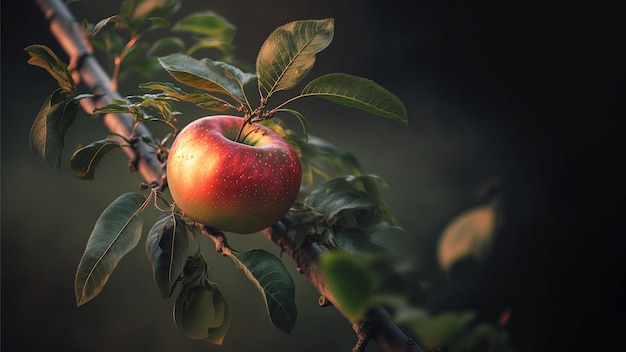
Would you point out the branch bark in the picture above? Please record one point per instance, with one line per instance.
(377, 324)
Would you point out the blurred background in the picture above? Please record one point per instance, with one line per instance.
(519, 91)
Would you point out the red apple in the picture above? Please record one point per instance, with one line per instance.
(239, 187)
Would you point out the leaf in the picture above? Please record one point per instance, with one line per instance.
(85, 160)
(349, 281)
(338, 195)
(117, 106)
(194, 311)
(201, 312)
(207, 23)
(357, 92)
(202, 74)
(442, 329)
(224, 48)
(116, 232)
(288, 54)
(335, 203)
(47, 133)
(270, 276)
(167, 247)
(233, 72)
(202, 100)
(44, 57)
(469, 234)
(101, 24)
(176, 44)
(217, 334)
(159, 22)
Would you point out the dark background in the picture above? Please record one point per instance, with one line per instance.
(526, 92)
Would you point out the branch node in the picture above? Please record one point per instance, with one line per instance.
(221, 243)
(324, 302)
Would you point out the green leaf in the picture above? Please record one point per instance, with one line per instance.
(349, 281)
(202, 100)
(338, 195)
(235, 73)
(85, 160)
(223, 47)
(101, 24)
(168, 246)
(44, 57)
(439, 330)
(116, 232)
(117, 106)
(202, 74)
(207, 23)
(222, 313)
(47, 133)
(357, 92)
(176, 44)
(335, 203)
(201, 312)
(272, 279)
(357, 242)
(159, 22)
(288, 54)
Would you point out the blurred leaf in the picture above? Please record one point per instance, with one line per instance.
(357, 92)
(85, 160)
(288, 54)
(225, 48)
(441, 330)
(168, 246)
(102, 24)
(161, 44)
(349, 281)
(44, 57)
(357, 242)
(202, 74)
(146, 67)
(159, 22)
(116, 232)
(207, 23)
(469, 234)
(272, 279)
(144, 8)
(47, 133)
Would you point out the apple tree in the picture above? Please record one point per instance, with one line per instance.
(242, 170)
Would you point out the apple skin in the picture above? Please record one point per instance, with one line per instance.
(232, 186)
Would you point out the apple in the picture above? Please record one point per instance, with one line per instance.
(240, 187)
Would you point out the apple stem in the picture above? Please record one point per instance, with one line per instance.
(255, 116)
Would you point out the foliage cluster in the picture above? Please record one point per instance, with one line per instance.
(340, 205)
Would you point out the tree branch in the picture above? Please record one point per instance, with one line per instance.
(86, 70)
(376, 324)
